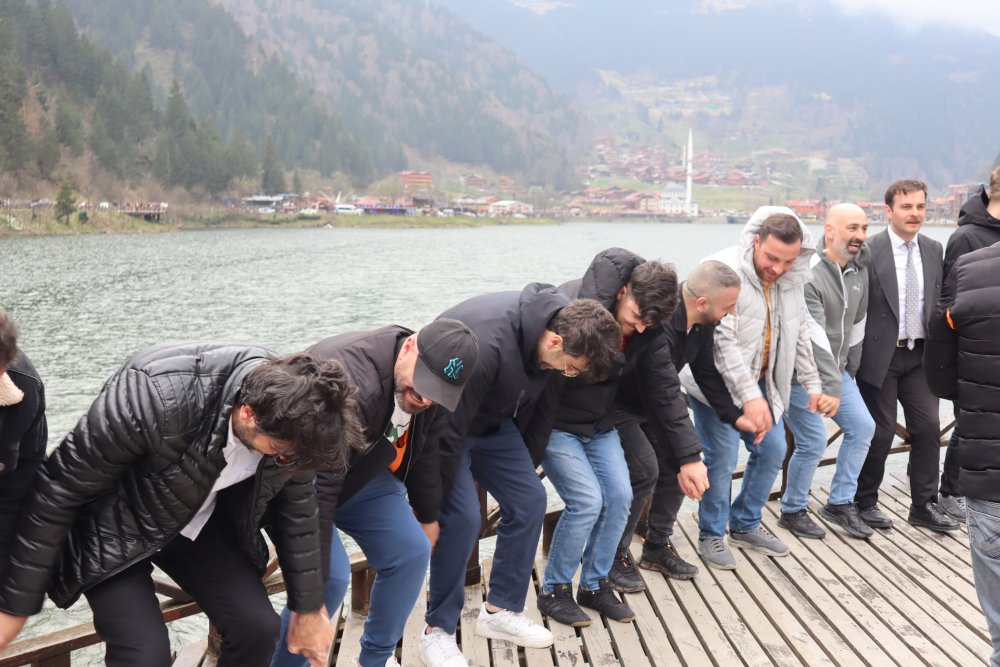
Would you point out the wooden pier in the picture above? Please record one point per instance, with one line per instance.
(904, 597)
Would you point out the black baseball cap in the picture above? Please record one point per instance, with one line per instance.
(447, 352)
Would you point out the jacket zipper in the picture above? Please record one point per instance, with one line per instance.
(517, 405)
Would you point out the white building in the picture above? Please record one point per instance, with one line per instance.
(509, 207)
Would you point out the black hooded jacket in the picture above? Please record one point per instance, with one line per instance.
(23, 435)
(976, 229)
(962, 361)
(136, 469)
(507, 382)
(370, 358)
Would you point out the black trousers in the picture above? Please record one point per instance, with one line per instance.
(216, 573)
(949, 475)
(650, 477)
(905, 382)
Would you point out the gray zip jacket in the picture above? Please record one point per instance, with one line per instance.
(739, 349)
(838, 308)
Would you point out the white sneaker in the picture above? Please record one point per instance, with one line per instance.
(439, 649)
(514, 627)
(392, 662)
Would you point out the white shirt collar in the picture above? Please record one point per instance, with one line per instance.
(897, 242)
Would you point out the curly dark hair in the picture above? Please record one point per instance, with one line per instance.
(653, 285)
(8, 339)
(589, 330)
(309, 402)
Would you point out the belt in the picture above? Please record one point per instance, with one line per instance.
(909, 343)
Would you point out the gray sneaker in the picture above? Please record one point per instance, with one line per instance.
(716, 553)
(954, 506)
(760, 540)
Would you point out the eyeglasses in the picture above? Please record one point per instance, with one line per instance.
(569, 370)
(284, 457)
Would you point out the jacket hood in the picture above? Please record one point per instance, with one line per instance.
(609, 271)
(800, 273)
(973, 212)
(537, 305)
(862, 261)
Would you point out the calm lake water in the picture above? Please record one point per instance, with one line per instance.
(86, 303)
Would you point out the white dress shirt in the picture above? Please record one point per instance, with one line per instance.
(241, 464)
(899, 255)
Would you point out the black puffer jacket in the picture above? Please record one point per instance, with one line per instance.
(370, 357)
(976, 229)
(962, 361)
(136, 469)
(23, 434)
(507, 382)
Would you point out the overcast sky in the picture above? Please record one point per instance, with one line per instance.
(915, 14)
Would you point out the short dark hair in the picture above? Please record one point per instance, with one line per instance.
(310, 402)
(8, 339)
(994, 188)
(589, 330)
(784, 226)
(904, 187)
(653, 285)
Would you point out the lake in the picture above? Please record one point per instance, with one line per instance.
(86, 303)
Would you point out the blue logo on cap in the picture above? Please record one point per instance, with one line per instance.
(454, 367)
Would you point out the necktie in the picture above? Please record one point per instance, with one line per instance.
(912, 311)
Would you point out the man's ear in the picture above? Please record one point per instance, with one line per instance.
(553, 341)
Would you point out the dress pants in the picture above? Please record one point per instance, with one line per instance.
(216, 573)
(905, 382)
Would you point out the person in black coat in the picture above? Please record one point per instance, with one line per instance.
(524, 339)
(962, 361)
(405, 382)
(978, 227)
(189, 449)
(23, 430)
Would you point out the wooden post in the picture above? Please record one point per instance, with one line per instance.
(361, 590)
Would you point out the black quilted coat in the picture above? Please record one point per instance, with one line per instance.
(136, 469)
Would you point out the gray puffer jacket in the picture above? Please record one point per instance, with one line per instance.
(739, 338)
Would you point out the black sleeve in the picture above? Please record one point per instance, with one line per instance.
(328, 487)
(422, 475)
(958, 245)
(537, 427)
(941, 345)
(16, 482)
(711, 383)
(664, 404)
(295, 528)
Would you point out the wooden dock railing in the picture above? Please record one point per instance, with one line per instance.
(53, 649)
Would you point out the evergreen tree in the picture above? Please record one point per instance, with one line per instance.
(296, 182)
(47, 153)
(65, 202)
(68, 130)
(272, 177)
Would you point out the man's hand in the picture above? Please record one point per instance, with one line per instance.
(693, 479)
(744, 423)
(813, 403)
(311, 635)
(759, 413)
(828, 405)
(10, 625)
(432, 530)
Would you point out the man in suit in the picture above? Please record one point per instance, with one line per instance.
(904, 285)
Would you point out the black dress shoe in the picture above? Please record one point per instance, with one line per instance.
(930, 515)
(873, 517)
(801, 524)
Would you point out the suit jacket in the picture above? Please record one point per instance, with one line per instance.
(882, 327)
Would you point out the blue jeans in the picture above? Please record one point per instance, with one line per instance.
(810, 442)
(984, 540)
(501, 463)
(591, 476)
(382, 523)
(720, 446)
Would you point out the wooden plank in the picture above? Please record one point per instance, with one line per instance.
(954, 544)
(724, 641)
(536, 657)
(652, 635)
(475, 648)
(669, 622)
(504, 653)
(567, 647)
(936, 621)
(413, 629)
(191, 655)
(597, 642)
(350, 641)
(836, 604)
(897, 486)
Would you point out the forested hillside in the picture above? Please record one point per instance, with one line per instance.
(67, 107)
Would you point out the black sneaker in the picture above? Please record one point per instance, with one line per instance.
(847, 517)
(560, 606)
(663, 558)
(623, 576)
(604, 601)
(801, 524)
(873, 516)
(930, 515)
